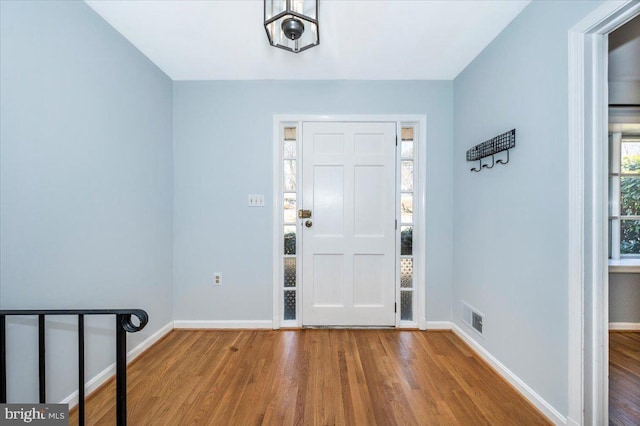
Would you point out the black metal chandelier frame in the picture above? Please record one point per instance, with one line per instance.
(296, 15)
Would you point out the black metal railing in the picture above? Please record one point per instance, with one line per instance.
(124, 324)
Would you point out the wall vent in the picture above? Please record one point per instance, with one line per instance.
(472, 317)
(476, 322)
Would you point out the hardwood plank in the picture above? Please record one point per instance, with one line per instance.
(624, 378)
(313, 377)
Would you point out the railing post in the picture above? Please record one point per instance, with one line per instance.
(80, 370)
(121, 371)
(41, 360)
(3, 361)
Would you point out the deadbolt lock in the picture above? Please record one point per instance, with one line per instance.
(304, 214)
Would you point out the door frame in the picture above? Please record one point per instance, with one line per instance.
(588, 286)
(419, 243)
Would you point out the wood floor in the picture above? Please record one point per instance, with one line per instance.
(313, 377)
(624, 378)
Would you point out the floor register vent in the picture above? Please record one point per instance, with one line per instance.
(472, 317)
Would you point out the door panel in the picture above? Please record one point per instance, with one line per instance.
(369, 206)
(348, 253)
(327, 276)
(328, 196)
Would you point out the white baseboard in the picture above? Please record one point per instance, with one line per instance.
(624, 326)
(224, 324)
(542, 405)
(439, 325)
(102, 377)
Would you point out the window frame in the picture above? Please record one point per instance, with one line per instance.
(619, 262)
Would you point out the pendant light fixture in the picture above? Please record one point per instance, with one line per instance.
(292, 24)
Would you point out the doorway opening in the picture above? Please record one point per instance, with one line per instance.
(348, 221)
(588, 169)
(624, 221)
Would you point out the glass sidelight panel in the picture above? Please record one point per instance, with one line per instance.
(406, 305)
(290, 305)
(406, 273)
(289, 240)
(406, 175)
(407, 215)
(289, 218)
(289, 207)
(407, 149)
(406, 208)
(289, 271)
(290, 149)
(290, 175)
(406, 240)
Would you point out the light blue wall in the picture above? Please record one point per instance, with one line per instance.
(223, 152)
(624, 298)
(510, 222)
(86, 185)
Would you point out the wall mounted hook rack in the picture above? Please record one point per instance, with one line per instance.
(503, 142)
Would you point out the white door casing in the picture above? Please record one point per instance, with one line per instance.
(588, 213)
(348, 253)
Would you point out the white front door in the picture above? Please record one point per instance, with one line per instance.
(348, 249)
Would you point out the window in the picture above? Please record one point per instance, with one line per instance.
(407, 196)
(289, 206)
(624, 197)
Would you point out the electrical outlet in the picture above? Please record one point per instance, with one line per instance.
(217, 278)
(256, 200)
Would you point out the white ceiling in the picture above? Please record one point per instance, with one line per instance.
(359, 39)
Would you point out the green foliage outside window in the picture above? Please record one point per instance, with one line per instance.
(630, 205)
(290, 243)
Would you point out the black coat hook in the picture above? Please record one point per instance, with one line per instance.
(502, 161)
(479, 166)
(493, 163)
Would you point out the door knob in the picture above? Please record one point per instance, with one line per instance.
(308, 224)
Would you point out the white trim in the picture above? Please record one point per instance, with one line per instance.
(624, 326)
(587, 121)
(420, 223)
(101, 378)
(288, 118)
(597, 146)
(438, 325)
(607, 17)
(420, 194)
(624, 266)
(547, 409)
(223, 324)
(277, 212)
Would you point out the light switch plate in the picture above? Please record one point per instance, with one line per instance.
(256, 200)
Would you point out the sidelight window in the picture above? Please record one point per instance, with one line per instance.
(406, 222)
(289, 207)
